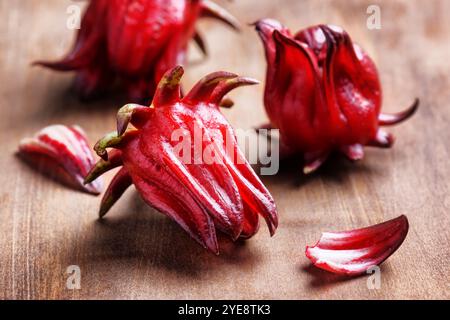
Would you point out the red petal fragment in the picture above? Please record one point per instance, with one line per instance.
(62, 152)
(354, 252)
(116, 188)
(387, 119)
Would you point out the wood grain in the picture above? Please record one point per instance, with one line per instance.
(138, 253)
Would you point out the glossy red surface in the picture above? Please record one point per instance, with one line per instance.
(134, 42)
(354, 252)
(199, 193)
(63, 153)
(323, 93)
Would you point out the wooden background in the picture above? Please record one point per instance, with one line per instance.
(138, 253)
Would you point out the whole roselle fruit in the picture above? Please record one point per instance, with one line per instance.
(134, 42)
(215, 188)
(323, 93)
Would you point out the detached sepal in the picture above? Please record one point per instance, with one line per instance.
(63, 153)
(354, 252)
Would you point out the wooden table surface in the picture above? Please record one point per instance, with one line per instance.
(138, 253)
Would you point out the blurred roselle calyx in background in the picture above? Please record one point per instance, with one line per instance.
(323, 93)
(201, 196)
(134, 42)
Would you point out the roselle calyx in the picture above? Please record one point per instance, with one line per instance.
(200, 196)
(354, 252)
(323, 93)
(63, 153)
(134, 43)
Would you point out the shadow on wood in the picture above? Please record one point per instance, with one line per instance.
(145, 234)
(336, 169)
(60, 98)
(324, 279)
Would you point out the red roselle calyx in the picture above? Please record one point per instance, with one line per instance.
(135, 42)
(198, 195)
(63, 153)
(354, 252)
(323, 93)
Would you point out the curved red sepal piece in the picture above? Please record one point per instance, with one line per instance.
(354, 252)
(63, 153)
